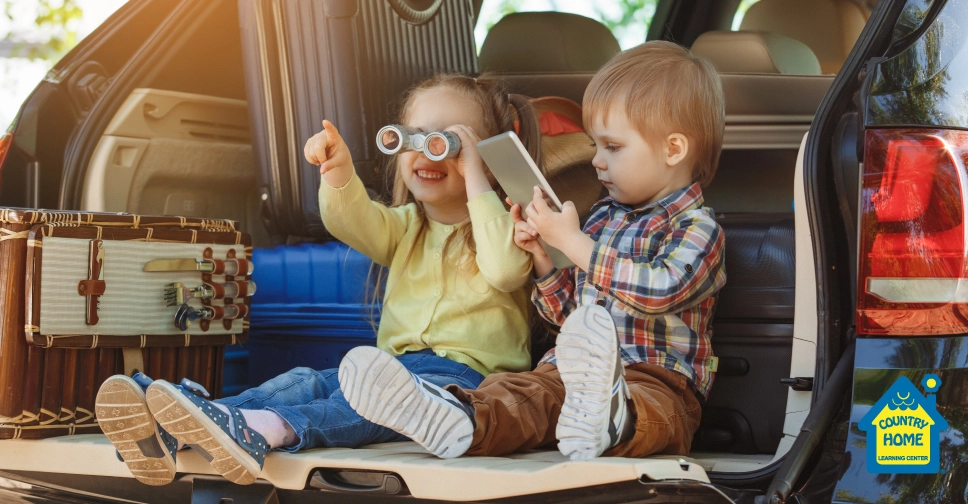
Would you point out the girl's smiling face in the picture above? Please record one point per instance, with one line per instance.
(438, 184)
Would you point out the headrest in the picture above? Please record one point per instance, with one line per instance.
(547, 42)
(828, 27)
(755, 52)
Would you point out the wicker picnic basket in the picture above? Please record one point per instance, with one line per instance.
(77, 306)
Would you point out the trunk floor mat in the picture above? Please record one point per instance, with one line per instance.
(427, 477)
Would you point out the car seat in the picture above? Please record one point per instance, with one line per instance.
(772, 85)
(547, 53)
(828, 27)
(770, 82)
(756, 52)
(551, 54)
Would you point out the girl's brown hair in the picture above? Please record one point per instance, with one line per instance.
(501, 111)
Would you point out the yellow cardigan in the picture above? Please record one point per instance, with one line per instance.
(475, 316)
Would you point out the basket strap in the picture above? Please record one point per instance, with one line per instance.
(134, 361)
(6, 234)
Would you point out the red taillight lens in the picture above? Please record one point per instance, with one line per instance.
(913, 253)
(5, 141)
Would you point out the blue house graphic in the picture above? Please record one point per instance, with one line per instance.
(903, 429)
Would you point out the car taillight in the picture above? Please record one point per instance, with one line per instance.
(5, 141)
(913, 251)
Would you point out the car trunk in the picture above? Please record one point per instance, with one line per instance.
(421, 474)
(158, 137)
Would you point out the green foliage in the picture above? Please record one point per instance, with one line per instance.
(627, 19)
(506, 7)
(631, 11)
(632, 21)
(744, 6)
(848, 496)
(54, 17)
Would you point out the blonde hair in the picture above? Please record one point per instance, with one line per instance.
(501, 111)
(665, 89)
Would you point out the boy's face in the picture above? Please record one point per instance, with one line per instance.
(634, 171)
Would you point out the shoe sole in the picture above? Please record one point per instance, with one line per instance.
(382, 391)
(190, 425)
(123, 416)
(586, 353)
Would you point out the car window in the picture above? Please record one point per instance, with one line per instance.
(741, 9)
(628, 19)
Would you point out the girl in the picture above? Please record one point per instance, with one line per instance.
(455, 309)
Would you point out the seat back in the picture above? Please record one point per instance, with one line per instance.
(772, 86)
(767, 115)
(828, 27)
(533, 42)
(551, 54)
(547, 53)
(756, 52)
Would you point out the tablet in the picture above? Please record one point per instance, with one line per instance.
(517, 173)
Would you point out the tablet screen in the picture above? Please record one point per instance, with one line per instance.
(518, 174)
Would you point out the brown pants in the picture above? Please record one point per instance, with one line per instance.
(519, 411)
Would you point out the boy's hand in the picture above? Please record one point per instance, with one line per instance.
(328, 150)
(561, 230)
(555, 227)
(526, 238)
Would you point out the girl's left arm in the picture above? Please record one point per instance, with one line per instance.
(504, 265)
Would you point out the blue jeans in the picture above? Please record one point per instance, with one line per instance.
(313, 404)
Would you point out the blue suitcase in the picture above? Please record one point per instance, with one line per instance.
(309, 310)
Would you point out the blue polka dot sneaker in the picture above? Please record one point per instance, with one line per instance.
(233, 449)
(122, 412)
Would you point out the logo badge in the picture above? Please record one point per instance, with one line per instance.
(903, 429)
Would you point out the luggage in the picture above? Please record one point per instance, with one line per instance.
(312, 308)
(348, 61)
(752, 336)
(77, 306)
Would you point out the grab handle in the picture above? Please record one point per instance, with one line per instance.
(349, 481)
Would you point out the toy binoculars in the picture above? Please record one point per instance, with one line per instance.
(437, 145)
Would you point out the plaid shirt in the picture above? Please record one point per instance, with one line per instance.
(656, 270)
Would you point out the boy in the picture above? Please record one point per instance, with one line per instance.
(633, 361)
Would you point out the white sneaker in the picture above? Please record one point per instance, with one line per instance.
(594, 416)
(384, 392)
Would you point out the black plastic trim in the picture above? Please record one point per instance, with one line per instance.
(834, 317)
(903, 42)
(814, 428)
